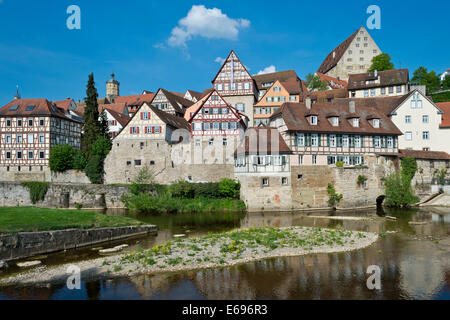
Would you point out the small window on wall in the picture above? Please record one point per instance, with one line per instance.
(265, 182)
(284, 181)
(137, 162)
(152, 163)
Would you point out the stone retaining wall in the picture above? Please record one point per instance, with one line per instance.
(28, 244)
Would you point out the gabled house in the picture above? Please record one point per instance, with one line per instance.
(333, 83)
(116, 121)
(265, 81)
(354, 55)
(133, 102)
(275, 96)
(193, 96)
(235, 85)
(379, 84)
(170, 102)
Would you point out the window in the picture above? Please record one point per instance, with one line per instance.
(41, 154)
(355, 122)
(335, 121)
(372, 92)
(128, 163)
(377, 142)
(314, 159)
(277, 89)
(332, 140)
(19, 138)
(425, 119)
(391, 89)
(232, 125)
(299, 177)
(247, 85)
(408, 135)
(30, 138)
(206, 126)
(408, 119)
(284, 181)
(390, 142)
(265, 182)
(399, 89)
(314, 120)
(19, 122)
(361, 51)
(137, 162)
(30, 122)
(8, 122)
(19, 154)
(30, 155)
(300, 159)
(350, 51)
(361, 59)
(216, 125)
(8, 138)
(211, 141)
(375, 51)
(240, 107)
(358, 142)
(279, 160)
(134, 130)
(292, 98)
(383, 91)
(376, 123)
(314, 140)
(426, 135)
(8, 155)
(197, 126)
(345, 141)
(145, 115)
(366, 93)
(300, 140)
(224, 141)
(219, 87)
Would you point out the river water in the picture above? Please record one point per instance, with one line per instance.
(413, 253)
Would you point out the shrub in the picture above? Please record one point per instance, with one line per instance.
(102, 146)
(37, 190)
(208, 190)
(340, 164)
(361, 179)
(334, 198)
(409, 168)
(442, 175)
(94, 169)
(399, 192)
(182, 189)
(61, 158)
(79, 162)
(229, 188)
(144, 182)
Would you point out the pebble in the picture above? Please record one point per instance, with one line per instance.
(28, 264)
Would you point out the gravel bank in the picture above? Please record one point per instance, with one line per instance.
(215, 250)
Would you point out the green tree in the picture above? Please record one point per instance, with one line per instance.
(104, 129)
(313, 82)
(399, 192)
(61, 158)
(445, 84)
(78, 161)
(92, 128)
(102, 146)
(334, 197)
(428, 79)
(94, 169)
(381, 62)
(143, 182)
(228, 188)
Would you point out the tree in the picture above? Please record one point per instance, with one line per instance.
(61, 158)
(313, 82)
(381, 62)
(399, 192)
(92, 129)
(78, 161)
(445, 84)
(104, 129)
(428, 79)
(101, 147)
(94, 169)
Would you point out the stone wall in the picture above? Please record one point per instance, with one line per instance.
(426, 170)
(28, 244)
(70, 176)
(13, 194)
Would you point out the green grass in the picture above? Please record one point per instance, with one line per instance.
(32, 219)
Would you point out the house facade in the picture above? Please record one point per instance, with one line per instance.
(170, 103)
(354, 55)
(234, 83)
(29, 128)
(379, 84)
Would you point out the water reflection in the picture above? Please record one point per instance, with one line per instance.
(414, 256)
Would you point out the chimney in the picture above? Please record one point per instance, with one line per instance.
(334, 54)
(352, 107)
(308, 103)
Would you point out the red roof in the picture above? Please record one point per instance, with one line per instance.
(445, 107)
(136, 99)
(428, 155)
(32, 107)
(64, 104)
(334, 83)
(120, 117)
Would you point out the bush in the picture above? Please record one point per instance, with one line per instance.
(102, 146)
(207, 190)
(61, 158)
(334, 198)
(143, 183)
(399, 192)
(409, 168)
(340, 164)
(37, 190)
(361, 179)
(78, 162)
(182, 189)
(94, 169)
(228, 188)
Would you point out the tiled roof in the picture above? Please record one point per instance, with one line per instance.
(180, 104)
(282, 76)
(387, 78)
(117, 107)
(445, 107)
(171, 120)
(324, 95)
(294, 115)
(32, 107)
(383, 104)
(334, 83)
(262, 140)
(195, 94)
(120, 117)
(64, 104)
(292, 86)
(331, 61)
(135, 100)
(427, 155)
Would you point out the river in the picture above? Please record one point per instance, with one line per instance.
(413, 253)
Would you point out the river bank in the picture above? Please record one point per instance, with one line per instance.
(210, 251)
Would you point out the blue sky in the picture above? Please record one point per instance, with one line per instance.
(149, 45)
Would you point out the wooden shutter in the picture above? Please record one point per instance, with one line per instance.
(142, 116)
(138, 130)
(131, 130)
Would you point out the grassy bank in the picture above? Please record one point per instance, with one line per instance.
(32, 219)
(144, 203)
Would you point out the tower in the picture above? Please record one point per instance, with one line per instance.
(112, 88)
(17, 95)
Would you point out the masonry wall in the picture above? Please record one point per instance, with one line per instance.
(70, 176)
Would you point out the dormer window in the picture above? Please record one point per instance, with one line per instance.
(355, 122)
(376, 123)
(276, 89)
(314, 120)
(335, 121)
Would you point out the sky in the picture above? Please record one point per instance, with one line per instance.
(179, 45)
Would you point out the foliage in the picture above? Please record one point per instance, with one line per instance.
(445, 84)
(442, 175)
(381, 62)
(182, 189)
(102, 146)
(94, 169)
(429, 79)
(399, 192)
(37, 190)
(361, 179)
(27, 219)
(78, 161)
(409, 168)
(104, 129)
(441, 96)
(229, 188)
(92, 129)
(314, 83)
(334, 198)
(61, 158)
(144, 182)
(340, 164)
(145, 203)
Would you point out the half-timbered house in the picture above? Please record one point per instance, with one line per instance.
(29, 128)
(235, 85)
(170, 102)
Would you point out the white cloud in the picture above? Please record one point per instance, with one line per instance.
(219, 60)
(208, 23)
(269, 69)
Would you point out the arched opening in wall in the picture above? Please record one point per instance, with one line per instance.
(380, 211)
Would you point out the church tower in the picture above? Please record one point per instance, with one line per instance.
(112, 88)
